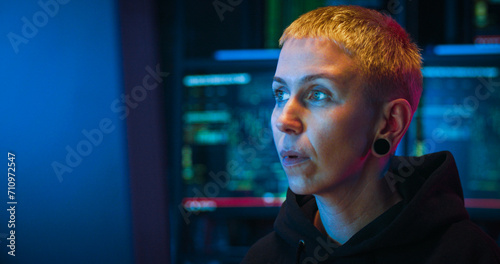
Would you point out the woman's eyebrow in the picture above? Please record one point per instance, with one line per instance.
(313, 77)
(279, 80)
(308, 78)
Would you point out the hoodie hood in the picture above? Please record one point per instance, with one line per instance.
(432, 200)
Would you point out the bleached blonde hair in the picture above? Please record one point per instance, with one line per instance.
(389, 60)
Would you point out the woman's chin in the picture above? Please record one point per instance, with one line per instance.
(309, 186)
(299, 187)
(302, 178)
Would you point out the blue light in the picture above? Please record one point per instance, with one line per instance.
(247, 54)
(207, 117)
(459, 72)
(467, 49)
(217, 79)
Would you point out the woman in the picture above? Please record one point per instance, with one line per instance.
(347, 84)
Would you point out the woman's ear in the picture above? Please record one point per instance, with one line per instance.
(396, 117)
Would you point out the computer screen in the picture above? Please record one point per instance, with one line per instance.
(460, 112)
(228, 153)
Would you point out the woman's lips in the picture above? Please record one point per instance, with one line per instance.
(291, 158)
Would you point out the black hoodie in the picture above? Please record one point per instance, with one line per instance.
(430, 224)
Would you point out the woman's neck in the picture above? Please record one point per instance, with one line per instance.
(350, 207)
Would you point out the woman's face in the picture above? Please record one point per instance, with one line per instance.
(322, 124)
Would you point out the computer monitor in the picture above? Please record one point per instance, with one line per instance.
(460, 112)
(228, 154)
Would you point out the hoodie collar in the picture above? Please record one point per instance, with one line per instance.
(432, 198)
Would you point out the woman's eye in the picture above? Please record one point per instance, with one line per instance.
(317, 95)
(281, 95)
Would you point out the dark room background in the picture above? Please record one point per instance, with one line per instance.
(140, 128)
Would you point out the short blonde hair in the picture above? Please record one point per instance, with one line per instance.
(387, 57)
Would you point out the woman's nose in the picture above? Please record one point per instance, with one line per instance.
(289, 121)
